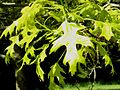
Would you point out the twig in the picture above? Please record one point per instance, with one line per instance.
(114, 5)
(108, 3)
(92, 71)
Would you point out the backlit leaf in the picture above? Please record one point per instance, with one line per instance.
(39, 70)
(70, 38)
(107, 31)
(83, 40)
(26, 59)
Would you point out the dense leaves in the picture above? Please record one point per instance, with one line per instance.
(82, 26)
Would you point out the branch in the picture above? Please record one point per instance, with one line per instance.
(112, 4)
(115, 5)
(108, 3)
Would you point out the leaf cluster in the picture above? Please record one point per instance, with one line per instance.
(84, 27)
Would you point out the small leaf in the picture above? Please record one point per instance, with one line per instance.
(31, 51)
(10, 51)
(9, 29)
(26, 59)
(39, 70)
(27, 40)
(43, 53)
(7, 58)
(108, 62)
(101, 50)
(52, 85)
(56, 72)
(51, 13)
(14, 39)
(81, 58)
(107, 31)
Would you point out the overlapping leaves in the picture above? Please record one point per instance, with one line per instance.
(24, 31)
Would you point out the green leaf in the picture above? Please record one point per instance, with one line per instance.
(75, 17)
(27, 40)
(101, 50)
(56, 72)
(54, 15)
(10, 50)
(9, 29)
(52, 85)
(7, 58)
(107, 31)
(30, 51)
(26, 59)
(25, 9)
(42, 54)
(102, 1)
(82, 72)
(39, 70)
(81, 58)
(108, 62)
(14, 39)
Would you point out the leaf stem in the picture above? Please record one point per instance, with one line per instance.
(43, 26)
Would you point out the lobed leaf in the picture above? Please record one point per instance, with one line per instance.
(108, 62)
(70, 38)
(107, 31)
(56, 72)
(39, 70)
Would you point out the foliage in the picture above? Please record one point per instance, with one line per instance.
(84, 27)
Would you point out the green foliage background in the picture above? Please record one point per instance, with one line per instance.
(84, 27)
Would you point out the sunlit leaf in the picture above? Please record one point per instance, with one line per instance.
(39, 70)
(81, 58)
(70, 38)
(55, 16)
(107, 31)
(15, 39)
(42, 54)
(10, 50)
(31, 51)
(8, 30)
(107, 60)
(26, 59)
(27, 40)
(83, 40)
